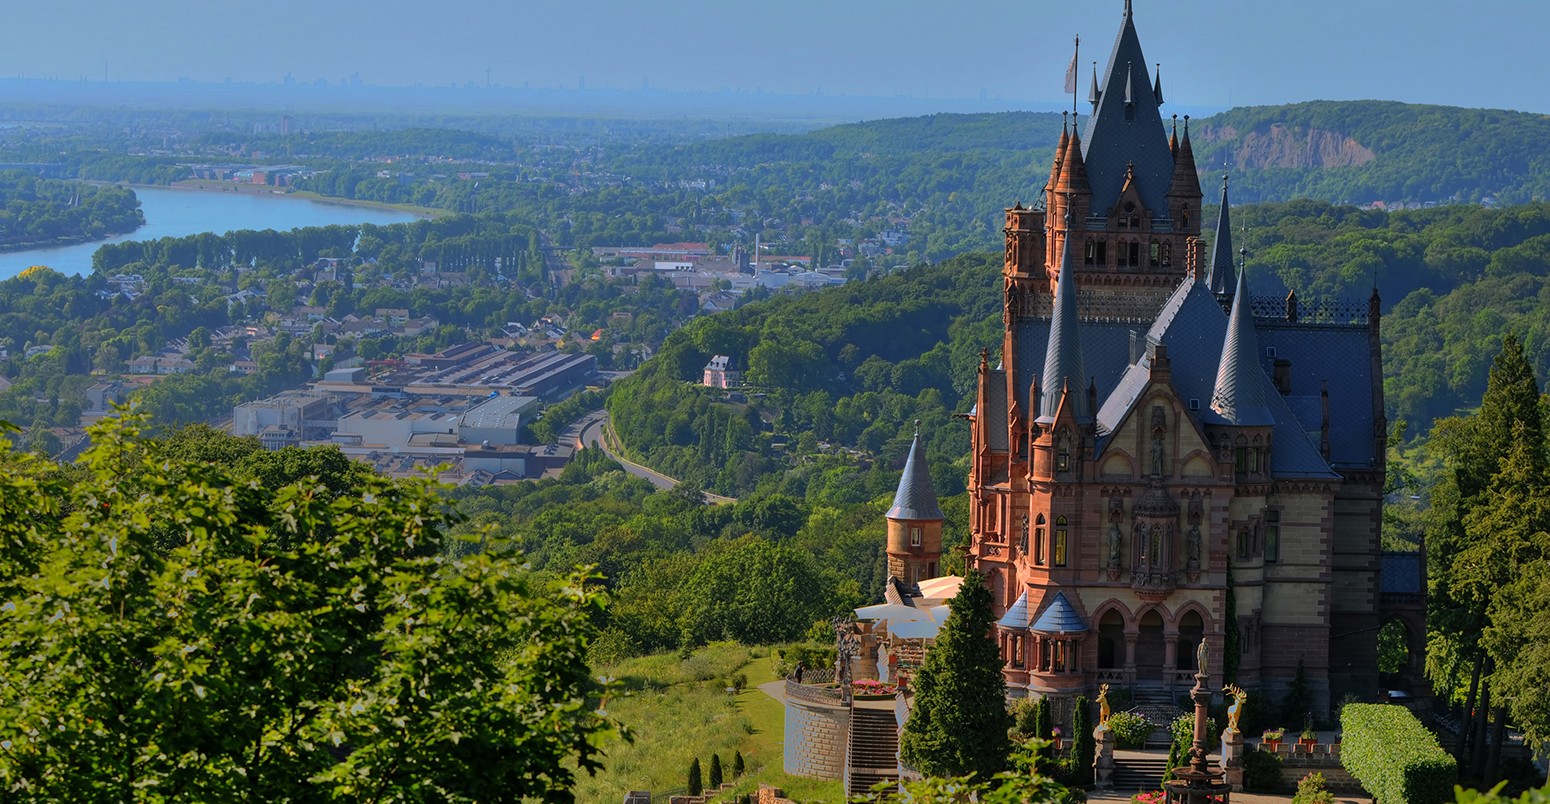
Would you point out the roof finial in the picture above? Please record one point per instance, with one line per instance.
(1127, 8)
(917, 427)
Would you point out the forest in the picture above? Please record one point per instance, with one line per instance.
(850, 368)
(35, 211)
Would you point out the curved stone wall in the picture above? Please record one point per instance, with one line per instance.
(815, 738)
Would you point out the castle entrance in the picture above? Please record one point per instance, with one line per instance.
(1151, 650)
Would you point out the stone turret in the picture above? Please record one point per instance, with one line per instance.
(915, 522)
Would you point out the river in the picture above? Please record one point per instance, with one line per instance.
(179, 213)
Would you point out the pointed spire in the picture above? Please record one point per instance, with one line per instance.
(1157, 85)
(1073, 170)
(1060, 152)
(1221, 248)
(1092, 94)
(1173, 138)
(916, 498)
(1186, 181)
(1239, 395)
(1063, 365)
(1127, 125)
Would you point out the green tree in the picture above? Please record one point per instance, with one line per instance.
(696, 783)
(715, 771)
(959, 722)
(173, 632)
(737, 764)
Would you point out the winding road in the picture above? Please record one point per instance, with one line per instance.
(592, 431)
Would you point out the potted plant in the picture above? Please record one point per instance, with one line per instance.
(1309, 737)
(1272, 738)
(1055, 734)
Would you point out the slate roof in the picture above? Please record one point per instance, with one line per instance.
(1059, 617)
(1401, 574)
(1112, 142)
(1016, 617)
(1192, 327)
(1221, 248)
(1239, 393)
(996, 413)
(1337, 354)
(915, 499)
(1063, 365)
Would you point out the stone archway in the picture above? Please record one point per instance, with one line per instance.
(1111, 641)
(1151, 647)
(1192, 629)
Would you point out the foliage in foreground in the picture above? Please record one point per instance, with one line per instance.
(1388, 750)
(959, 722)
(1020, 785)
(170, 632)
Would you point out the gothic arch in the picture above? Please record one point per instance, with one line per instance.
(1114, 605)
(1196, 607)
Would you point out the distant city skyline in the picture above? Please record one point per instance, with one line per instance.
(1214, 53)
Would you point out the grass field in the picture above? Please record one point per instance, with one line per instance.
(679, 709)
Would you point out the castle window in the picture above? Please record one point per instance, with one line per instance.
(1017, 650)
(1060, 542)
(1063, 451)
(1038, 542)
(1272, 535)
(1135, 254)
(1156, 254)
(914, 536)
(1245, 544)
(1090, 253)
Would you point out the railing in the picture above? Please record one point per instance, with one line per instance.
(1184, 677)
(1337, 311)
(814, 687)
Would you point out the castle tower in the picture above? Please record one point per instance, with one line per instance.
(915, 522)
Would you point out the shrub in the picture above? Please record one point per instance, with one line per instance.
(715, 771)
(1130, 729)
(737, 764)
(1310, 790)
(1262, 771)
(809, 656)
(1394, 757)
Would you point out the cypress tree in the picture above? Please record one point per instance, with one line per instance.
(959, 721)
(737, 764)
(1085, 749)
(715, 771)
(696, 786)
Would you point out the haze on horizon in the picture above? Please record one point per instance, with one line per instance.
(1214, 53)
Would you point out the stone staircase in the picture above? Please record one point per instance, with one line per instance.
(873, 754)
(1156, 704)
(1138, 771)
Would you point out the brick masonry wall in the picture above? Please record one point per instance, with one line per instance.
(815, 739)
(1325, 759)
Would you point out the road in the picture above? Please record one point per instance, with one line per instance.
(590, 433)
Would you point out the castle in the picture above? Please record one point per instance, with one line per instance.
(1161, 457)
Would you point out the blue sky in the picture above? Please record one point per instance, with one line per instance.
(1214, 53)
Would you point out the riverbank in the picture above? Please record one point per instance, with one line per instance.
(61, 242)
(243, 188)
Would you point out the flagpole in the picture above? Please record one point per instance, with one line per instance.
(1076, 59)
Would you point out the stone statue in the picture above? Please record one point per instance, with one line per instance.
(1239, 697)
(1193, 545)
(1200, 658)
(1116, 542)
(1103, 705)
(1157, 457)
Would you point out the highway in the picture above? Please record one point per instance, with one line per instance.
(590, 432)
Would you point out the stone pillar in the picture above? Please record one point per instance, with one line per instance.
(866, 660)
(1232, 758)
(1130, 653)
(1103, 757)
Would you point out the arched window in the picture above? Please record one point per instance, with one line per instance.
(1156, 549)
(1038, 542)
(1155, 254)
(1063, 450)
(1060, 541)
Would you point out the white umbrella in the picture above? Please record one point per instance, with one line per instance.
(892, 612)
(922, 629)
(939, 613)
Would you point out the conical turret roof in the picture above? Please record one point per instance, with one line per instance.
(1063, 366)
(916, 498)
(1126, 126)
(1221, 248)
(1239, 395)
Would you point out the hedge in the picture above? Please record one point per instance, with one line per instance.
(1394, 757)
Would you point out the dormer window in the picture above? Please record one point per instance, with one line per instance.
(1063, 451)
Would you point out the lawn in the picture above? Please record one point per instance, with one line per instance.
(679, 709)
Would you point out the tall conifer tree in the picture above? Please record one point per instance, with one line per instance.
(958, 724)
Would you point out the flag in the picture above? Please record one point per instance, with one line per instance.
(1071, 76)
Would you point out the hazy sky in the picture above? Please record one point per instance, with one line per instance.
(1214, 53)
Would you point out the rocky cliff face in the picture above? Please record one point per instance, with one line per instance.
(1282, 146)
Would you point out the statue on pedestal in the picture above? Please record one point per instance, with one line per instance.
(1103, 706)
